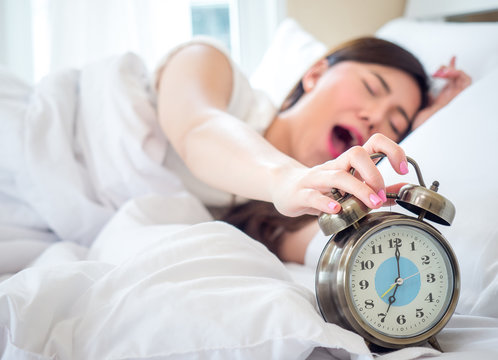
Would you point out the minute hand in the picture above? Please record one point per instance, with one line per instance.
(398, 255)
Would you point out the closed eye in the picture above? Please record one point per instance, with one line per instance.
(396, 131)
(369, 89)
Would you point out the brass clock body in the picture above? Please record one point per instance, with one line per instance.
(336, 275)
(391, 278)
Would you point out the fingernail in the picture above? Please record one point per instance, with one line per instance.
(333, 206)
(440, 72)
(403, 167)
(382, 195)
(375, 199)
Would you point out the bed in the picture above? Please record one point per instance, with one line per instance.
(162, 280)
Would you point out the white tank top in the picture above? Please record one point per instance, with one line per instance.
(247, 104)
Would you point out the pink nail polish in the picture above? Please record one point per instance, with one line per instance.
(375, 199)
(333, 206)
(382, 195)
(403, 168)
(438, 73)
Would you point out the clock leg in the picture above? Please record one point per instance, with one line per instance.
(377, 349)
(434, 343)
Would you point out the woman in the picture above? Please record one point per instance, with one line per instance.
(81, 143)
(362, 98)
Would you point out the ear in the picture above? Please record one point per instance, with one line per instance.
(311, 76)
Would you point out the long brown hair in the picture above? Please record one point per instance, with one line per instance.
(261, 220)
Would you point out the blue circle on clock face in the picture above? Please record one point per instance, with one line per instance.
(386, 275)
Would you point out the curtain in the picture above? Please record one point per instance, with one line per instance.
(75, 32)
(41, 36)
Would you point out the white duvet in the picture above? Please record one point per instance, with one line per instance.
(164, 281)
(89, 138)
(157, 287)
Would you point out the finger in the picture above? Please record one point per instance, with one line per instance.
(315, 203)
(359, 159)
(453, 61)
(346, 182)
(446, 72)
(394, 152)
(442, 70)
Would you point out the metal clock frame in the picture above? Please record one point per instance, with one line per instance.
(333, 293)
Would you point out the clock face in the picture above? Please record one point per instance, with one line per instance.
(400, 280)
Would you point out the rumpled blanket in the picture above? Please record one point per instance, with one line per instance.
(78, 145)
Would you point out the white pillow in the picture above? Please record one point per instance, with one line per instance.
(475, 45)
(291, 52)
(458, 147)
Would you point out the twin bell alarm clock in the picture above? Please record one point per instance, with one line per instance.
(390, 277)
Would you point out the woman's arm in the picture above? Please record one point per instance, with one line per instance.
(194, 92)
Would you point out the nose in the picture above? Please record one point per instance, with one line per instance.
(374, 116)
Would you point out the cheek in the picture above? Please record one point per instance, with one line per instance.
(346, 96)
(338, 90)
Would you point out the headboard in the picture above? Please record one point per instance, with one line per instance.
(453, 10)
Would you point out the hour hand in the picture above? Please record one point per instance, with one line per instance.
(392, 298)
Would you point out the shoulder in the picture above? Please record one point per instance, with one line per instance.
(197, 57)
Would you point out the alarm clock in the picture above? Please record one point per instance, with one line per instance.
(391, 278)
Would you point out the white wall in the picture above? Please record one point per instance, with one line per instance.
(334, 21)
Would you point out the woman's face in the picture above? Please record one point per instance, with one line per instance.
(343, 106)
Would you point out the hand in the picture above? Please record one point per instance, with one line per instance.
(398, 280)
(457, 81)
(392, 298)
(299, 191)
(397, 254)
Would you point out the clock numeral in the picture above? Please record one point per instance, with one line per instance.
(419, 313)
(412, 245)
(376, 249)
(429, 298)
(369, 304)
(363, 284)
(395, 243)
(425, 260)
(382, 317)
(431, 278)
(367, 265)
(401, 319)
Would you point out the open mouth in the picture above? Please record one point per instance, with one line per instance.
(342, 139)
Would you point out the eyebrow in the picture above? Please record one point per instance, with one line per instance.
(386, 87)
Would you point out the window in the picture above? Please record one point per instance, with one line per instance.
(42, 36)
(213, 20)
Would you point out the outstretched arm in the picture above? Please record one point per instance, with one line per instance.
(194, 91)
